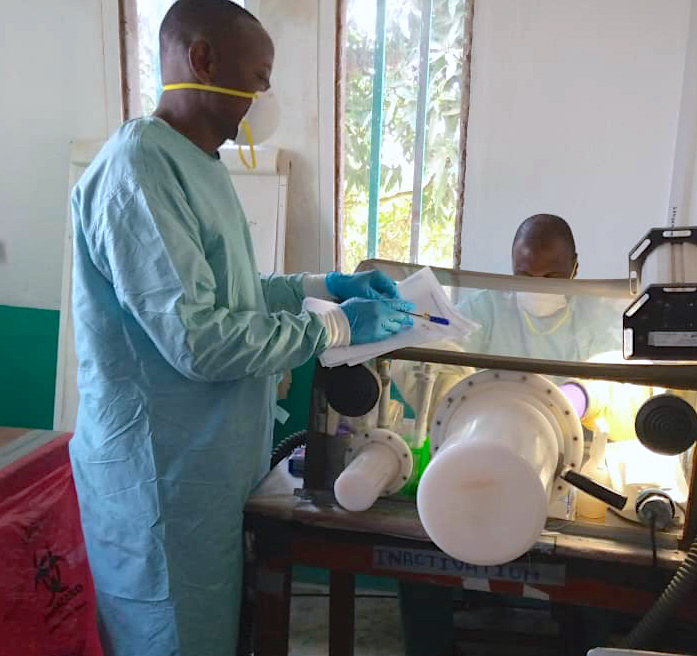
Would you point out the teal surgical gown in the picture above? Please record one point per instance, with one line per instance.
(179, 342)
(587, 327)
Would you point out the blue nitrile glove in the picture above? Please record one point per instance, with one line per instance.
(368, 284)
(372, 321)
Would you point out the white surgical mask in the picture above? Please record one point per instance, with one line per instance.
(541, 305)
(259, 123)
(262, 117)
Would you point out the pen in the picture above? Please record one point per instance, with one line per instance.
(429, 317)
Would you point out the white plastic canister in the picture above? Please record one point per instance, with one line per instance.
(484, 496)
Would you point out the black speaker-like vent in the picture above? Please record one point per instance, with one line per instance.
(666, 424)
(352, 391)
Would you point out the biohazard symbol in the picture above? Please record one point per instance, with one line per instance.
(48, 573)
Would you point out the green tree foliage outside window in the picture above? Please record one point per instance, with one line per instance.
(399, 117)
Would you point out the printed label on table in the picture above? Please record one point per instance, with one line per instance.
(438, 563)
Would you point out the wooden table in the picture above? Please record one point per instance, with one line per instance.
(9, 435)
(388, 540)
(16, 443)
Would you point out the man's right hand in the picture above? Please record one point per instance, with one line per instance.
(373, 321)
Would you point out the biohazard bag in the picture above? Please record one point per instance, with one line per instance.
(47, 601)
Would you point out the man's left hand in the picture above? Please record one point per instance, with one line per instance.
(374, 285)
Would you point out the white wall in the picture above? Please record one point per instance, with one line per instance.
(684, 182)
(57, 85)
(574, 111)
(302, 31)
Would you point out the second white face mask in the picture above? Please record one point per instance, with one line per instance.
(541, 305)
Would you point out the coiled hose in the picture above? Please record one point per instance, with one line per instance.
(682, 582)
(286, 446)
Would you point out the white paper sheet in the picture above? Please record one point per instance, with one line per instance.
(425, 292)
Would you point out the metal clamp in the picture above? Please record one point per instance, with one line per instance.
(652, 240)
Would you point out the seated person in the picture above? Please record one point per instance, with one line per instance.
(540, 325)
(524, 324)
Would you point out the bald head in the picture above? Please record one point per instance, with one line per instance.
(544, 246)
(213, 43)
(214, 20)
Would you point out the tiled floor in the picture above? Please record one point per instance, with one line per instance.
(378, 626)
(379, 629)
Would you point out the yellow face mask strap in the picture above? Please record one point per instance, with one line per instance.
(208, 87)
(228, 92)
(248, 133)
(553, 329)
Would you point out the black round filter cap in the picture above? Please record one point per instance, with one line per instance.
(352, 391)
(666, 424)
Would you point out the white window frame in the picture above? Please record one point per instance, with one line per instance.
(329, 236)
(113, 72)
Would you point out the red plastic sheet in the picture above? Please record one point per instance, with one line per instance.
(47, 601)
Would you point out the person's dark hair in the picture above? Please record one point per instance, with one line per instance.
(541, 230)
(188, 18)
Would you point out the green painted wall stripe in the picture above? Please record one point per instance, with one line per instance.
(28, 356)
(298, 401)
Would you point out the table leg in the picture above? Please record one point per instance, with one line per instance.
(272, 609)
(342, 589)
